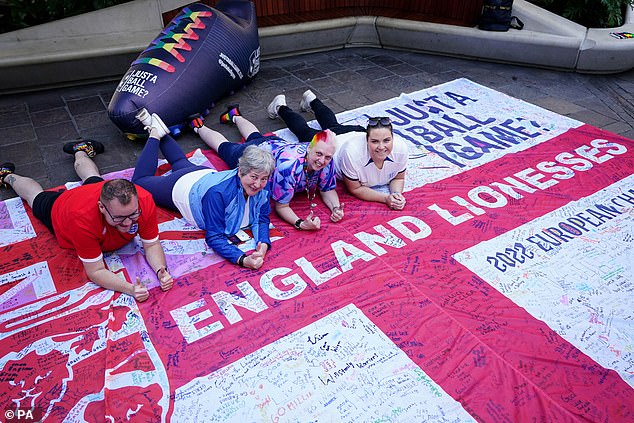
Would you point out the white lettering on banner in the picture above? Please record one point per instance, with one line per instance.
(266, 282)
(251, 301)
(345, 253)
(598, 152)
(411, 228)
(185, 322)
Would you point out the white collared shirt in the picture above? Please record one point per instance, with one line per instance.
(353, 160)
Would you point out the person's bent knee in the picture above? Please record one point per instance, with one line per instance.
(254, 136)
(93, 180)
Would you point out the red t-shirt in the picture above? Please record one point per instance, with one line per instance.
(79, 224)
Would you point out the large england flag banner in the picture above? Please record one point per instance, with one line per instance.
(502, 292)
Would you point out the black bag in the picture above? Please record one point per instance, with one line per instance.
(497, 16)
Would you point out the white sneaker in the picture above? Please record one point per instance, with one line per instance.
(157, 123)
(150, 121)
(307, 98)
(144, 117)
(279, 100)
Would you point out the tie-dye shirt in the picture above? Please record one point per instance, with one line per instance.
(289, 177)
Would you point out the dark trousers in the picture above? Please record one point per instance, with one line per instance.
(325, 117)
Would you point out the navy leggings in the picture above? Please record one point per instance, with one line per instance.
(230, 152)
(326, 118)
(145, 171)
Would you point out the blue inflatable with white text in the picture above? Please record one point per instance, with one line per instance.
(203, 54)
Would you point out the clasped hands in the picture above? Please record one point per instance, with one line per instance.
(395, 201)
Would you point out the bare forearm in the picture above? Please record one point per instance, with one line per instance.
(397, 185)
(155, 255)
(108, 280)
(368, 194)
(331, 199)
(286, 213)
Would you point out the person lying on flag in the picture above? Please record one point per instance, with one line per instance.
(364, 158)
(226, 205)
(298, 166)
(95, 217)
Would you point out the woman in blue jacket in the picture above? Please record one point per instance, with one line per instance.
(224, 204)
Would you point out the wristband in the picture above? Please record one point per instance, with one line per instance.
(336, 208)
(159, 269)
(298, 224)
(241, 260)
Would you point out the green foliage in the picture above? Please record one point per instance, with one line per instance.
(589, 13)
(16, 14)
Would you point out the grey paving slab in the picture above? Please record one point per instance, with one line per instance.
(50, 116)
(57, 132)
(90, 104)
(620, 128)
(557, 105)
(35, 125)
(308, 73)
(629, 134)
(593, 118)
(20, 132)
(22, 153)
(9, 117)
(326, 87)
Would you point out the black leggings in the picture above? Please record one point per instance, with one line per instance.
(326, 118)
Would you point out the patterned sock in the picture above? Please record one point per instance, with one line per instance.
(196, 122)
(5, 170)
(90, 147)
(230, 114)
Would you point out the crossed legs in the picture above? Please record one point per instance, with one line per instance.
(145, 170)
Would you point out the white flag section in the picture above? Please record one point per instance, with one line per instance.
(15, 225)
(574, 270)
(341, 368)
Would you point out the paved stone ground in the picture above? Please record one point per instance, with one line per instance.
(34, 126)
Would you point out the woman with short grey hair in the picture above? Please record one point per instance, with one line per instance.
(231, 206)
(254, 158)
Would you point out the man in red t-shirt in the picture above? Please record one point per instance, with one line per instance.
(95, 217)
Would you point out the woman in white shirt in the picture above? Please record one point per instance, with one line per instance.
(365, 160)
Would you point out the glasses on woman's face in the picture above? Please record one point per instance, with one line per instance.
(120, 219)
(379, 121)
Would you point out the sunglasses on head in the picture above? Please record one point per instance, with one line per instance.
(382, 121)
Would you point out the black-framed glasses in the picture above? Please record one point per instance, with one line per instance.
(379, 121)
(120, 219)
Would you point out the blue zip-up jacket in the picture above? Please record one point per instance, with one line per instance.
(217, 203)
